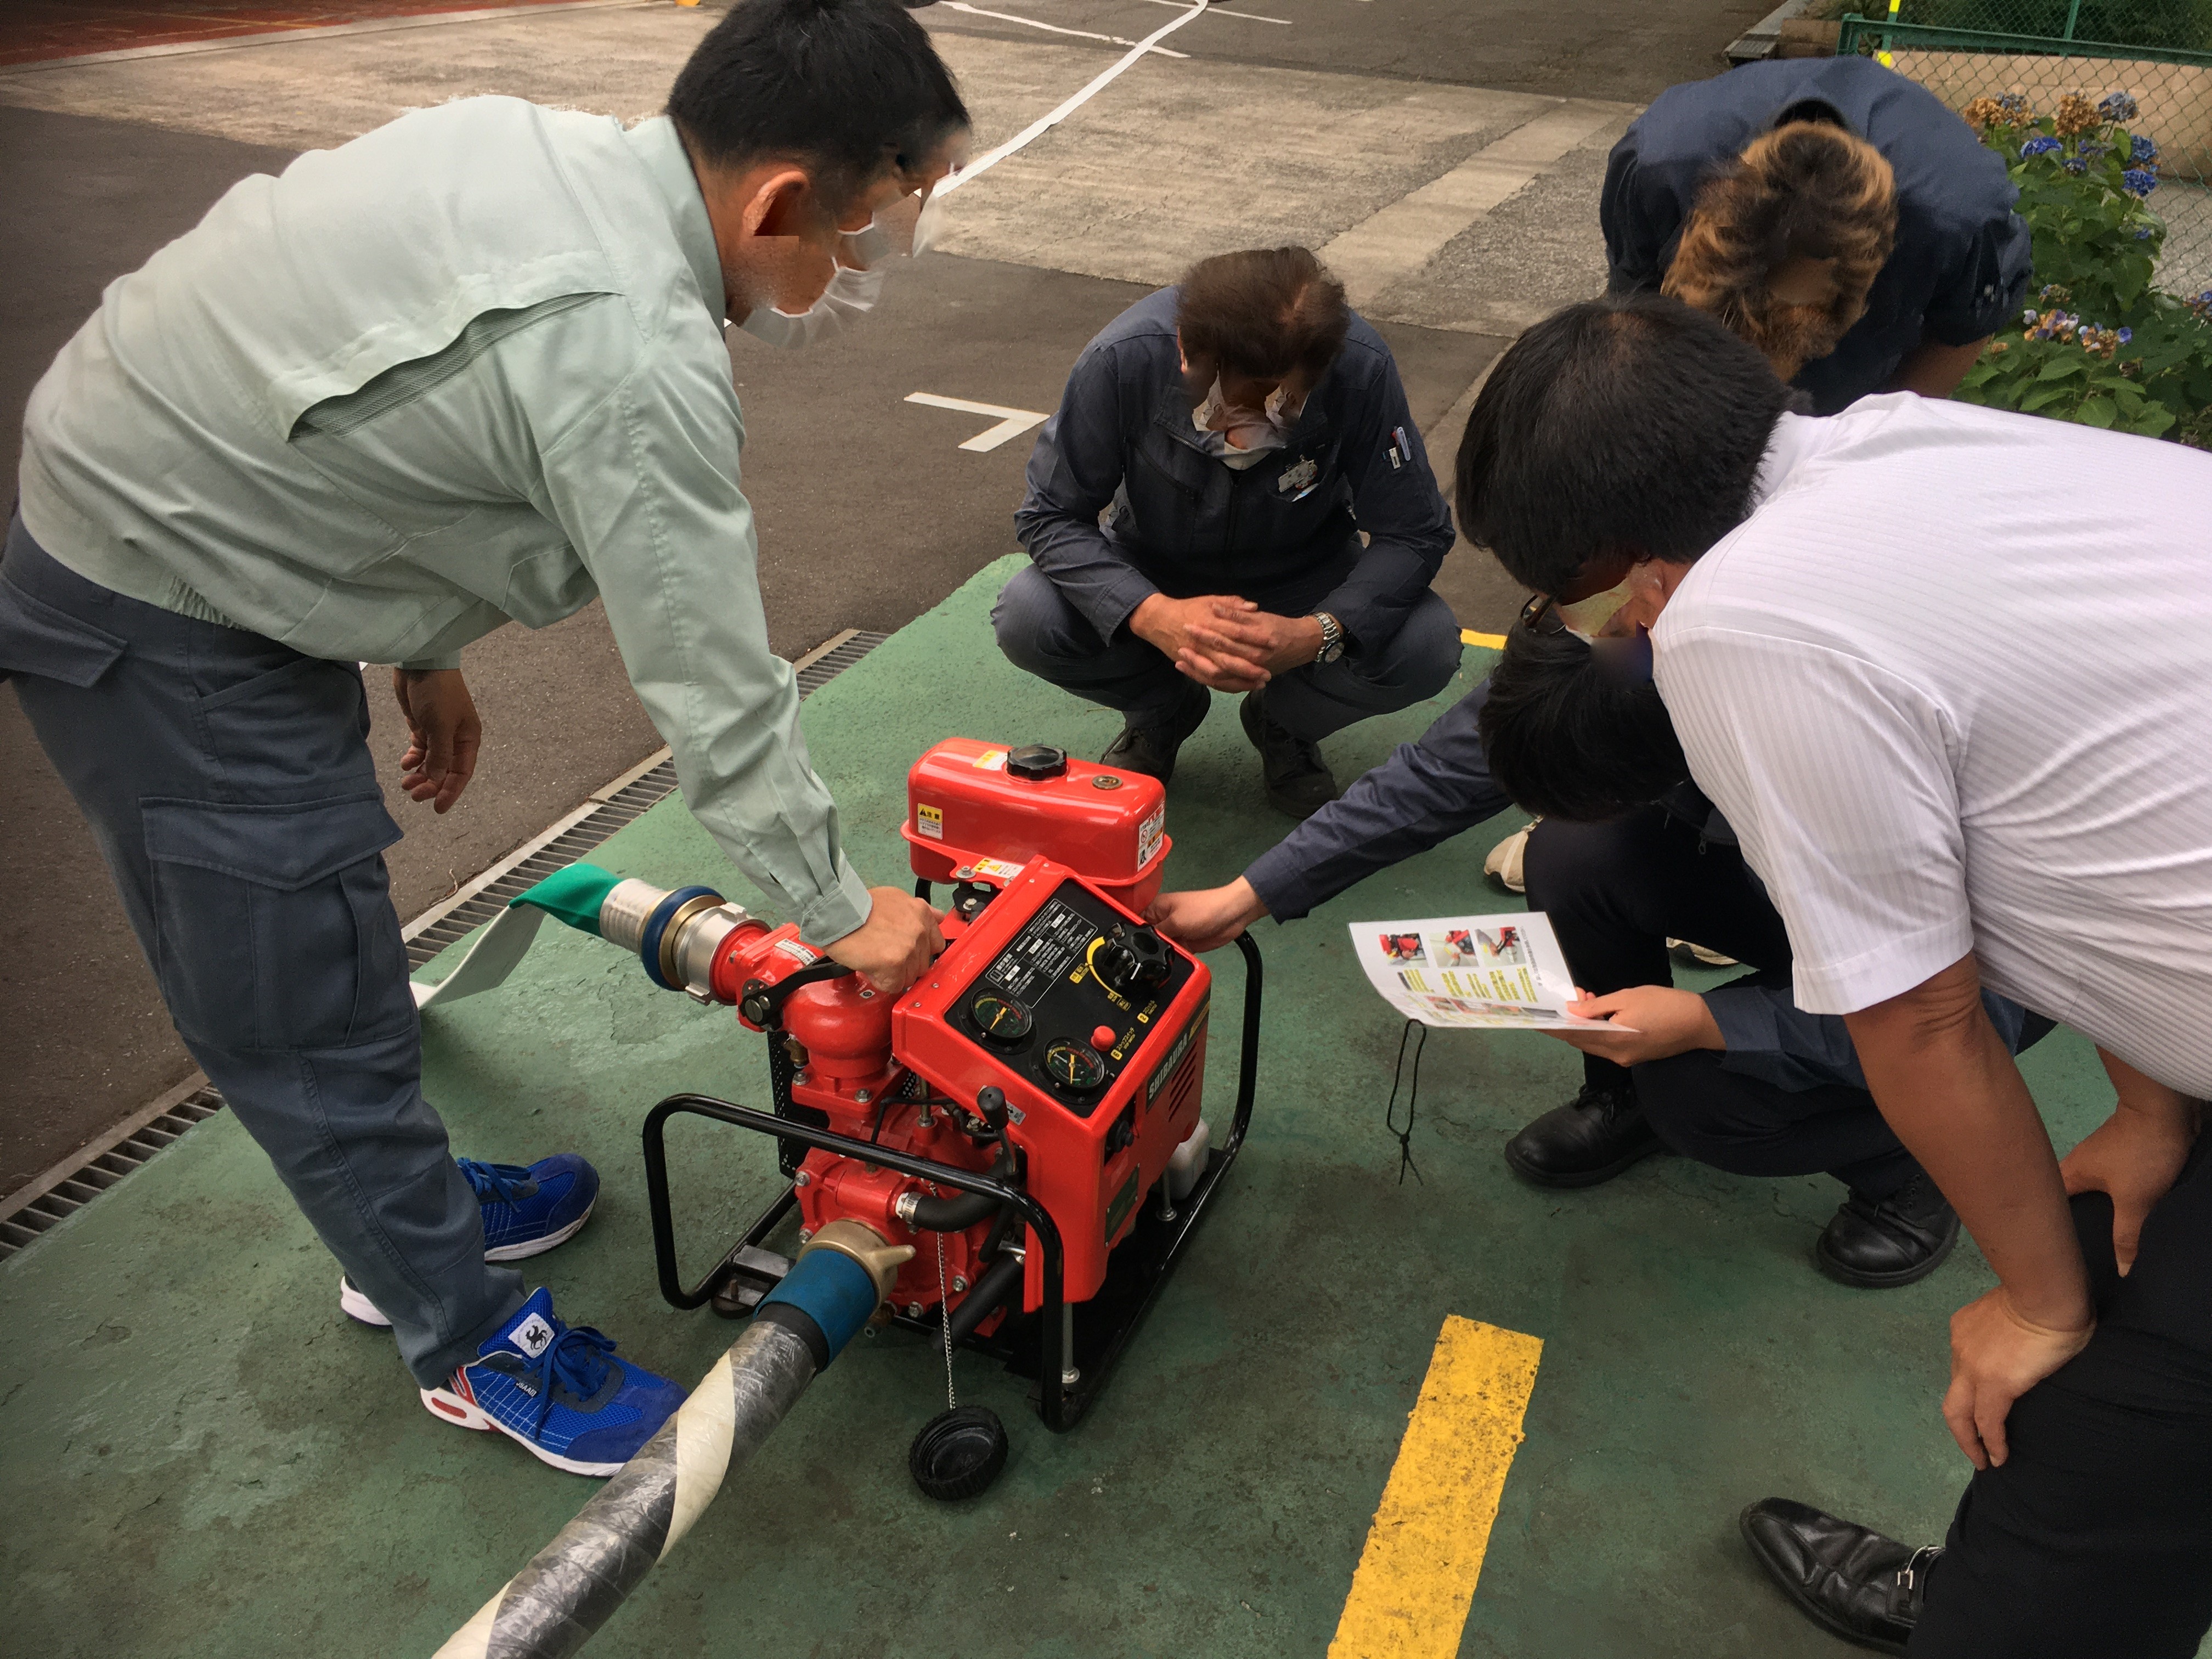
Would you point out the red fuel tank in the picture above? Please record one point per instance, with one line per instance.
(982, 810)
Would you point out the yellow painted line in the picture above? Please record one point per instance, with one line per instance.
(1416, 1576)
(1495, 641)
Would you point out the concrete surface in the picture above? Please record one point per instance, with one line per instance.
(221, 1465)
(1571, 48)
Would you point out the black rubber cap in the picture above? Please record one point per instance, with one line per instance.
(1037, 760)
(958, 1452)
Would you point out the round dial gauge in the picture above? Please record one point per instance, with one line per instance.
(1074, 1067)
(1000, 1019)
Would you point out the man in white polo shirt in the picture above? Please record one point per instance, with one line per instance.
(1948, 673)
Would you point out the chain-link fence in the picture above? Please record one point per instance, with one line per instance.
(2044, 50)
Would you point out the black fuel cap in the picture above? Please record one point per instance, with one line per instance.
(1036, 761)
(958, 1452)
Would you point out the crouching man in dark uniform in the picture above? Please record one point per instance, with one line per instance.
(1270, 525)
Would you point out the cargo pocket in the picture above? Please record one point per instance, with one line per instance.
(273, 927)
(40, 639)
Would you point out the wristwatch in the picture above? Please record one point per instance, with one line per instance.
(1332, 637)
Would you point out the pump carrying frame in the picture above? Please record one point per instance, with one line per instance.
(1029, 1345)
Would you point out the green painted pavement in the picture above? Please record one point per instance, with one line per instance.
(200, 1455)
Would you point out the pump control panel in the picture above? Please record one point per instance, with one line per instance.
(1073, 999)
(1093, 1025)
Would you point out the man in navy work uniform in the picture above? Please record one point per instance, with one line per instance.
(1837, 215)
(1738, 1078)
(466, 368)
(1240, 433)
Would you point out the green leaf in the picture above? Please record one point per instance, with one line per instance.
(2061, 367)
(2096, 411)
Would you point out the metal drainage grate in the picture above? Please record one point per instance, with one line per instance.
(80, 1185)
(28, 1211)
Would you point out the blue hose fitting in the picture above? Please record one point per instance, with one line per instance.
(834, 1288)
(648, 948)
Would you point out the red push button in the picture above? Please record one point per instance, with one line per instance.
(1103, 1038)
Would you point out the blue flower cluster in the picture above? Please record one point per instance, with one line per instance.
(2014, 106)
(2074, 165)
(2137, 181)
(2043, 145)
(2140, 149)
(2117, 106)
(2201, 306)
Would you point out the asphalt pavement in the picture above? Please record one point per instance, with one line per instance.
(1314, 128)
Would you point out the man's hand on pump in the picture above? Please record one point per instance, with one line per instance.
(1207, 919)
(1225, 643)
(896, 944)
(443, 735)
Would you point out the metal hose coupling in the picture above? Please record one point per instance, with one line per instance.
(675, 933)
(573, 1586)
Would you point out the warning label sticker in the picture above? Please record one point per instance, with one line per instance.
(1148, 835)
(991, 760)
(997, 869)
(929, 820)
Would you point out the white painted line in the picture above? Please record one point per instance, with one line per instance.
(323, 32)
(1012, 423)
(1054, 117)
(1396, 241)
(1051, 28)
(1222, 11)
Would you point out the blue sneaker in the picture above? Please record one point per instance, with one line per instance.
(526, 1213)
(560, 1390)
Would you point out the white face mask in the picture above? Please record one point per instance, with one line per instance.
(862, 261)
(1257, 431)
(1583, 617)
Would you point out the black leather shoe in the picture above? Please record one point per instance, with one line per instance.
(1853, 1583)
(1880, 1243)
(1298, 780)
(1153, 750)
(1592, 1138)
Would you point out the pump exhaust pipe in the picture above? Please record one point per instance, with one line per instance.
(573, 1586)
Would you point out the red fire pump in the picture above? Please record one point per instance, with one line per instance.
(1031, 1105)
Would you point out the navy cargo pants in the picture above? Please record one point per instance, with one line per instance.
(228, 780)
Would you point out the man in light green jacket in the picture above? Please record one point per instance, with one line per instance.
(466, 368)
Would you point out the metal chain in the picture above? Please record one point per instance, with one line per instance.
(945, 1319)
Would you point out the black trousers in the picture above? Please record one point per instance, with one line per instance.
(2094, 1541)
(1616, 892)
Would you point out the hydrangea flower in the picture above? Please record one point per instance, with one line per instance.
(2117, 106)
(2090, 148)
(2126, 335)
(2042, 145)
(2077, 115)
(2014, 107)
(2054, 294)
(2142, 232)
(2140, 149)
(2137, 181)
(2074, 165)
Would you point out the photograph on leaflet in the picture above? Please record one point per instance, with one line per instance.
(1495, 973)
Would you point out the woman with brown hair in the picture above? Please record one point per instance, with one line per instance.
(1834, 214)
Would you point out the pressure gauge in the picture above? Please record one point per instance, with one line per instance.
(1074, 1068)
(999, 1018)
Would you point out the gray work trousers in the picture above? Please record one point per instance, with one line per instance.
(228, 783)
(1041, 632)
